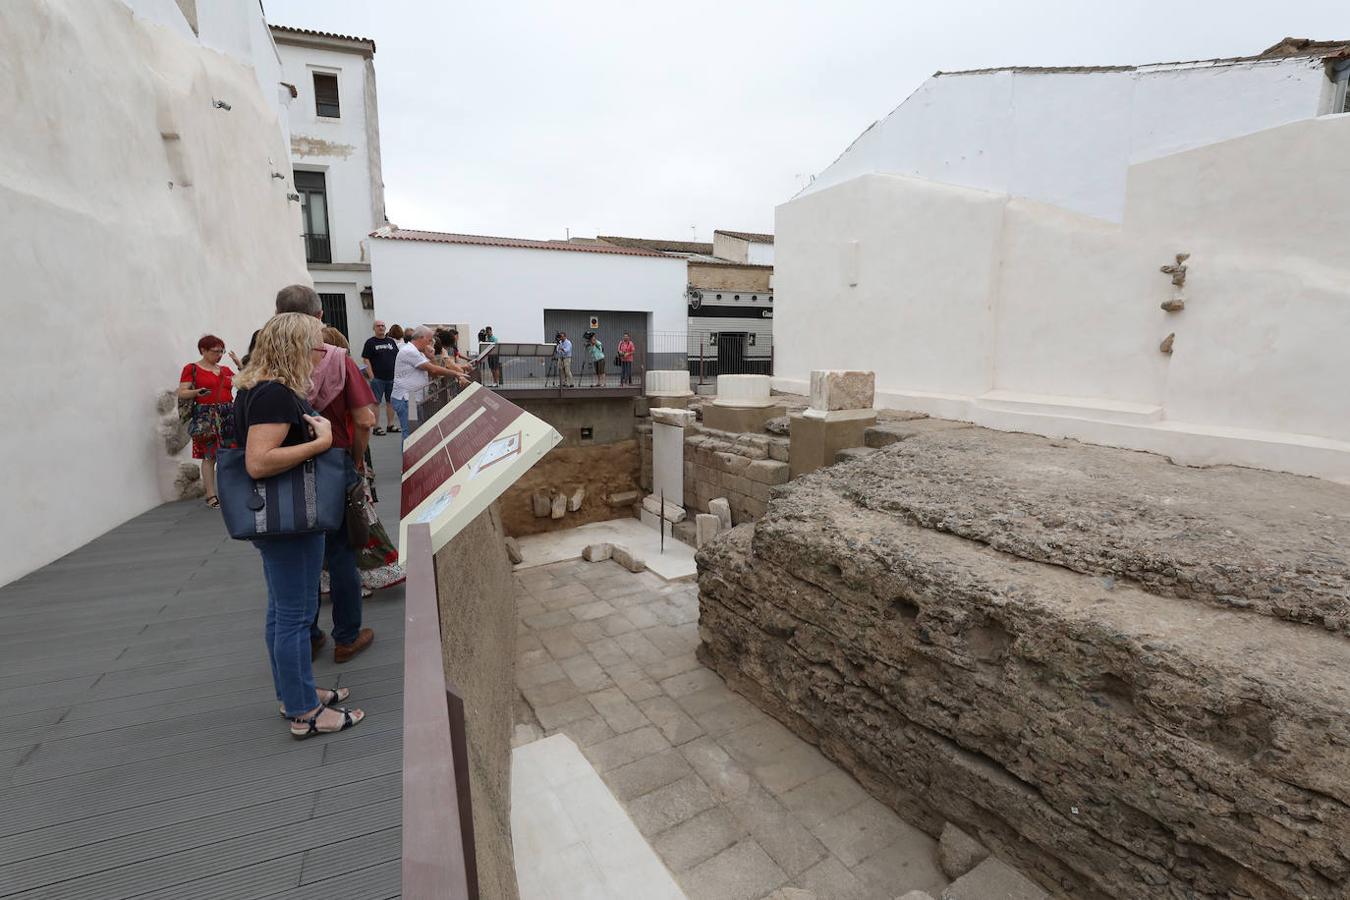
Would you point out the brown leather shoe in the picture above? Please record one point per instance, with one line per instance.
(315, 645)
(344, 652)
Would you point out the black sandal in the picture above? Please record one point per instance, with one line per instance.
(310, 725)
(339, 694)
(213, 501)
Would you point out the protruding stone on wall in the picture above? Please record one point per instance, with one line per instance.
(624, 498)
(576, 497)
(1176, 304)
(778, 425)
(1166, 345)
(597, 552)
(680, 418)
(1177, 271)
(706, 526)
(558, 506)
(722, 509)
(958, 852)
(188, 483)
(513, 551)
(833, 389)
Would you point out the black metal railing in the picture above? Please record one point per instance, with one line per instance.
(318, 248)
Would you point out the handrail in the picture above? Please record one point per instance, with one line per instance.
(439, 858)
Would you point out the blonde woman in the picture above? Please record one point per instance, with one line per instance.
(278, 430)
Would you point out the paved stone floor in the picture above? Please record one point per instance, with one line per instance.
(140, 750)
(735, 804)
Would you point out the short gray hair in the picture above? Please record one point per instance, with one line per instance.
(299, 298)
(422, 331)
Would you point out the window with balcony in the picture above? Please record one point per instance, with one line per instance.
(326, 102)
(313, 192)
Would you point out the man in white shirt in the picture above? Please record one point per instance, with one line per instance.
(564, 353)
(413, 371)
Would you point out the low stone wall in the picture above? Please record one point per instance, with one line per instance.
(1129, 678)
(740, 467)
(478, 631)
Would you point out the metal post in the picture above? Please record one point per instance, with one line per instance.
(661, 522)
(700, 360)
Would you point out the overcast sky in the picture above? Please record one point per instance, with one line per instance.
(527, 119)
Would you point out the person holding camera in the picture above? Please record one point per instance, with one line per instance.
(562, 351)
(596, 350)
(210, 416)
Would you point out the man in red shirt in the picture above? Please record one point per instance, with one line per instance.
(342, 396)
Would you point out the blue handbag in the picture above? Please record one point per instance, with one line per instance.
(311, 497)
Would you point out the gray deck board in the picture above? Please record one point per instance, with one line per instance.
(140, 750)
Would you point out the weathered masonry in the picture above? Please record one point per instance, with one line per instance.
(1129, 678)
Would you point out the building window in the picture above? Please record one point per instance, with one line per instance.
(335, 311)
(326, 96)
(314, 216)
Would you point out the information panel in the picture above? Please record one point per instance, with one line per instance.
(464, 458)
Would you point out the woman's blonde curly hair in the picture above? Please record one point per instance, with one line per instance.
(283, 353)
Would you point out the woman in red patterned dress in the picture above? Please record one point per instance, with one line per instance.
(208, 385)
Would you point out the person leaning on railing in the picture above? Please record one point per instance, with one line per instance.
(413, 369)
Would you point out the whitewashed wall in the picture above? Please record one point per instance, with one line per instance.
(1020, 315)
(509, 288)
(1068, 138)
(759, 254)
(119, 248)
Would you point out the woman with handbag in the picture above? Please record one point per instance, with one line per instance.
(279, 431)
(204, 404)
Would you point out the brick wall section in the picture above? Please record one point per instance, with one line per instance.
(739, 467)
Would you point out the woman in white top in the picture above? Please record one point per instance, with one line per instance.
(413, 371)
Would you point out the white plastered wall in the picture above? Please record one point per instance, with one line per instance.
(1067, 138)
(120, 248)
(1019, 315)
(509, 288)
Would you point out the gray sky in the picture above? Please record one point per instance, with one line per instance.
(527, 118)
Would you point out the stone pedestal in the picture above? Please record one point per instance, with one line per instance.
(817, 436)
(744, 403)
(668, 388)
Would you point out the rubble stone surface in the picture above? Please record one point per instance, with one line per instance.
(1131, 679)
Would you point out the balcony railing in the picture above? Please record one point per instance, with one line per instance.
(318, 249)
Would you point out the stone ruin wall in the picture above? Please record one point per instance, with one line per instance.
(1128, 678)
(740, 467)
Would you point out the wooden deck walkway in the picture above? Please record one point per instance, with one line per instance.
(140, 750)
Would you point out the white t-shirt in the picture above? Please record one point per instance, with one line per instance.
(409, 381)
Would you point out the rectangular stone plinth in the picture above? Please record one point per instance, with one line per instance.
(731, 418)
(816, 441)
(1129, 679)
(833, 389)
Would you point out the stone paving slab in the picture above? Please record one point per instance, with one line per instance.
(140, 750)
(735, 805)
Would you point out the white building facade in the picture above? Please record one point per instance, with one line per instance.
(335, 148)
(510, 284)
(134, 218)
(992, 269)
(744, 247)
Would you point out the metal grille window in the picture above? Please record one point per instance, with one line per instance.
(326, 96)
(335, 311)
(313, 190)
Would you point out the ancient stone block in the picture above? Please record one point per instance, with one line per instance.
(706, 525)
(779, 425)
(958, 852)
(624, 498)
(673, 511)
(767, 471)
(720, 508)
(597, 552)
(576, 497)
(542, 504)
(842, 389)
(680, 418)
(628, 559)
(780, 450)
(513, 550)
(558, 506)
(1134, 676)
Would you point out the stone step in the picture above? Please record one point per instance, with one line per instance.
(994, 880)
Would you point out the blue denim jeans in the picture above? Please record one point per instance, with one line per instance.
(291, 566)
(401, 410)
(344, 581)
